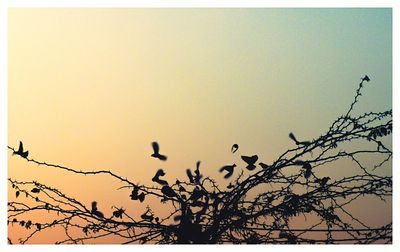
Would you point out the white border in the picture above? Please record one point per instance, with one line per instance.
(5, 4)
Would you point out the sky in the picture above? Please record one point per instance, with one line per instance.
(92, 88)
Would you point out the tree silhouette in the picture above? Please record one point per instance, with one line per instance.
(255, 208)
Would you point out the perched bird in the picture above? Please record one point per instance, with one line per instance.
(198, 176)
(20, 151)
(118, 213)
(291, 135)
(156, 153)
(95, 211)
(35, 190)
(264, 166)
(250, 161)
(234, 148)
(157, 179)
(168, 191)
(366, 78)
(190, 175)
(229, 169)
(307, 173)
(135, 194)
(323, 181)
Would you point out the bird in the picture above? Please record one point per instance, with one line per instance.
(156, 154)
(157, 179)
(250, 161)
(168, 191)
(190, 175)
(135, 194)
(118, 213)
(366, 78)
(323, 181)
(35, 190)
(20, 151)
(95, 211)
(229, 169)
(307, 173)
(198, 176)
(291, 135)
(234, 148)
(264, 166)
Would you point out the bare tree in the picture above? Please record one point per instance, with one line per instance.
(255, 208)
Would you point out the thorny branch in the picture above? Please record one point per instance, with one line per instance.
(258, 208)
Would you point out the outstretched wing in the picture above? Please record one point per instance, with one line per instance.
(250, 160)
(21, 147)
(156, 148)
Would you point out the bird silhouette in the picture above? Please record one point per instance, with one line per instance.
(135, 194)
(291, 135)
(264, 166)
(35, 190)
(157, 179)
(118, 213)
(147, 215)
(198, 176)
(20, 151)
(156, 154)
(250, 161)
(323, 181)
(95, 211)
(190, 175)
(229, 169)
(366, 78)
(168, 191)
(234, 148)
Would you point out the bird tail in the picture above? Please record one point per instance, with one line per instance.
(291, 135)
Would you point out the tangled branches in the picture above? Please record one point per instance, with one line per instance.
(263, 207)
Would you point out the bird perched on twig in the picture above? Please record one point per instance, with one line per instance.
(323, 181)
(197, 176)
(264, 166)
(291, 135)
(229, 169)
(95, 211)
(20, 151)
(168, 191)
(250, 161)
(156, 154)
(135, 194)
(157, 179)
(366, 78)
(234, 148)
(190, 175)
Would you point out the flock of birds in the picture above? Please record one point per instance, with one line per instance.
(195, 177)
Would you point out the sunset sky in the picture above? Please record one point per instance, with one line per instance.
(92, 88)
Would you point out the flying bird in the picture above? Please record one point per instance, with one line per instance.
(250, 161)
(366, 78)
(234, 148)
(168, 191)
(156, 154)
(229, 169)
(291, 135)
(157, 179)
(20, 151)
(95, 211)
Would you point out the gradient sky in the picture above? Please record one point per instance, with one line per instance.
(92, 88)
